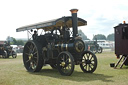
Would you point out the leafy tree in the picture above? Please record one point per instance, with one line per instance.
(20, 42)
(84, 37)
(99, 37)
(110, 37)
(16, 42)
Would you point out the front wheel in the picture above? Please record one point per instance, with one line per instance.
(100, 49)
(65, 63)
(89, 62)
(4, 54)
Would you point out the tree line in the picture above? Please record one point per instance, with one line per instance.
(14, 41)
(110, 37)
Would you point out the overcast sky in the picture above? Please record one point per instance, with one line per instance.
(101, 15)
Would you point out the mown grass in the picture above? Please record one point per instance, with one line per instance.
(12, 72)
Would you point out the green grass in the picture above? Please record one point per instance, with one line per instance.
(12, 72)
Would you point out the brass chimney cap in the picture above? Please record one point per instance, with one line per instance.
(74, 10)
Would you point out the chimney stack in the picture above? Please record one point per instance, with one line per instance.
(74, 22)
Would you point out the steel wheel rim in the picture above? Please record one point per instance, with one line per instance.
(99, 50)
(89, 63)
(65, 63)
(94, 50)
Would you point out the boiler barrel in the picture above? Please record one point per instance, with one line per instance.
(77, 46)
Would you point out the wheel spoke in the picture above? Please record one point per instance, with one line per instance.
(33, 49)
(91, 57)
(84, 57)
(35, 62)
(69, 67)
(63, 58)
(31, 46)
(35, 53)
(67, 60)
(35, 57)
(30, 65)
(90, 66)
(28, 61)
(92, 60)
(87, 56)
(28, 47)
(27, 54)
(84, 65)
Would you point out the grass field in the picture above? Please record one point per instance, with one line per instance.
(12, 72)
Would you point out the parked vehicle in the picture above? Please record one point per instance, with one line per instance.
(59, 46)
(93, 46)
(6, 51)
(3, 52)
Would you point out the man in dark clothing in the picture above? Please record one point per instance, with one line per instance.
(34, 36)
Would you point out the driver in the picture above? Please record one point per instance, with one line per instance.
(34, 36)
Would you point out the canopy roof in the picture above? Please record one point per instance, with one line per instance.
(49, 25)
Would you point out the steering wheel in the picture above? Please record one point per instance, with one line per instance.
(56, 31)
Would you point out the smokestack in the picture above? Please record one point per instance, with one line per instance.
(74, 22)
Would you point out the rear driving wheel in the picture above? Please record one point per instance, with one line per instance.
(89, 62)
(65, 63)
(32, 56)
(94, 50)
(14, 54)
(100, 50)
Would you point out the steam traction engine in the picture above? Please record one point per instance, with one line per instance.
(58, 46)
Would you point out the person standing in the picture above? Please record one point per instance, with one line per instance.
(34, 36)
